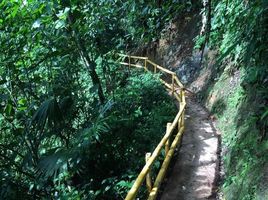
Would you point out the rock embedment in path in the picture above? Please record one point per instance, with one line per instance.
(195, 170)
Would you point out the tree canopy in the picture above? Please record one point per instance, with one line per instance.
(73, 121)
(71, 118)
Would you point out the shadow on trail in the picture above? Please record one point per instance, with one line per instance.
(195, 167)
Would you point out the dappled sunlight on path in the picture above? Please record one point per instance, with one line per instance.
(196, 166)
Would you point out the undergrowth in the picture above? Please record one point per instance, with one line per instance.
(243, 142)
(237, 94)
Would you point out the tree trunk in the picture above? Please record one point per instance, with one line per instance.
(206, 26)
(159, 3)
(91, 65)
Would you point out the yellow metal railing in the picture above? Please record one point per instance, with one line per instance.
(174, 85)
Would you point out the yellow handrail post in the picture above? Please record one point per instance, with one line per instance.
(181, 95)
(128, 64)
(149, 184)
(181, 121)
(145, 64)
(154, 68)
(167, 145)
(173, 87)
(183, 101)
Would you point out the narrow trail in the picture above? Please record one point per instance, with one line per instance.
(195, 171)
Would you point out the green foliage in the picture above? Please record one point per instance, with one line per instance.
(74, 125)
(239, 32)
(146, 19)
(137, 123)
(95, 153)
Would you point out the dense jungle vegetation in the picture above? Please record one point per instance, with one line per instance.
(75, 124)
(73, 121)
(238, 30)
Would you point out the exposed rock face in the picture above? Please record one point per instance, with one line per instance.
(175, 50)
(189, 68)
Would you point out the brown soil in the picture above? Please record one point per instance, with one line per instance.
(196, 167)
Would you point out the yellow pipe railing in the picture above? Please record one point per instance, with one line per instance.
(177, 90)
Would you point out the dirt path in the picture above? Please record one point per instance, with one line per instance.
(196, 167)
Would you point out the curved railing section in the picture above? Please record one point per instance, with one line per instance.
(173, 84)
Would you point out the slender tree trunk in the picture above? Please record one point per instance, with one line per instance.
(159, 3)
(207, 28)
(91, 65)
